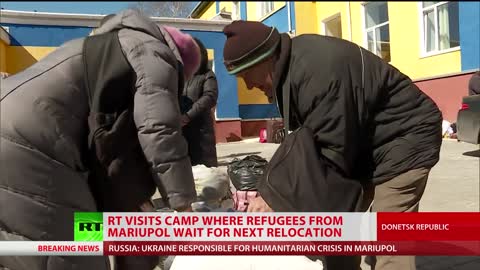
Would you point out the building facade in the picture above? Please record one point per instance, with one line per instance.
(4, 43)
(29, 36)
(437, 44)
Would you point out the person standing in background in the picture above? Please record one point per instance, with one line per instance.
(474, 84)
(199, 98)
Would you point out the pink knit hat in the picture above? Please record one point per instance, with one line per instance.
(188, 49)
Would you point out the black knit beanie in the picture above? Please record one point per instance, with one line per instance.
(247, 44)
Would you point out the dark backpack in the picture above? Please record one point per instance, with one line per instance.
(120, 176)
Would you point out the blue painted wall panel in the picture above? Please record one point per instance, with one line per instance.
(279, 19)
(292, 14)
(227, 105)
(44, 35)
(258, 111)
(243, 10)
(469, 13)
(54, 36)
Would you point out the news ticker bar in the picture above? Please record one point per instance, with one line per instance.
(162, 248)
(231, 227)
(51, 248)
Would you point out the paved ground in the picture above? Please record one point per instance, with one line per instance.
(454, 182)
(453, 186)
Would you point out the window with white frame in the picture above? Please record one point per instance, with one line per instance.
(440, 26)
(236, 11)
(265, 8)
(332, 27)
(377, 32)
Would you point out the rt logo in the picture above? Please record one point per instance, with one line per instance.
(90, 226)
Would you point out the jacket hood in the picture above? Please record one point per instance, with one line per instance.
(135, 20)
(203, 68)
(132, 19)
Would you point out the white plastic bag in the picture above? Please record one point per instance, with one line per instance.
(245, 263)
(212, 185)
(206, 180)
(446, 128)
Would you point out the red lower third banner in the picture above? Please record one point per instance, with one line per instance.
(428, 226)
(452, 248)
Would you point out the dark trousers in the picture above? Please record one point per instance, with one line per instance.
(400, 194)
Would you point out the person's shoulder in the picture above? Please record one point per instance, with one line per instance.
(475, 79)
(137, 43)
(309, 38)
(305, 38)
(474, 84)
(210, 74)
(476, 75)
(316, 44)
(317, 49)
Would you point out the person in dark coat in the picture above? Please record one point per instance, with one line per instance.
(380, 129)
(199, 98)
(44, 112)
(474, 84)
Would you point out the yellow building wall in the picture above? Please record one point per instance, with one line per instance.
(351, 18)
(226, 5)
(404, 37)
(255, 95)
(210, 53)
(306, 18)
(253, 7)
(356, 18)
(209, 12)
(3, 56)
(19, 58)
(405, 45)
(328, 10)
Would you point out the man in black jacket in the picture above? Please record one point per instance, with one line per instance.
(367, 117)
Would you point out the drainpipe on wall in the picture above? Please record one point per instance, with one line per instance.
(349, 22)
(289, 18)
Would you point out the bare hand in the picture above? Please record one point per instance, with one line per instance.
(184, 120)
(4, 75)
(147, 207)
(189, 209)
(183, 209)
(259, 205)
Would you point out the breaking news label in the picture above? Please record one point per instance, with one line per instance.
(263, 234)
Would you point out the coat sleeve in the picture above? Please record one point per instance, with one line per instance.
(326, 107)
(209, 97)
(157, 117)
